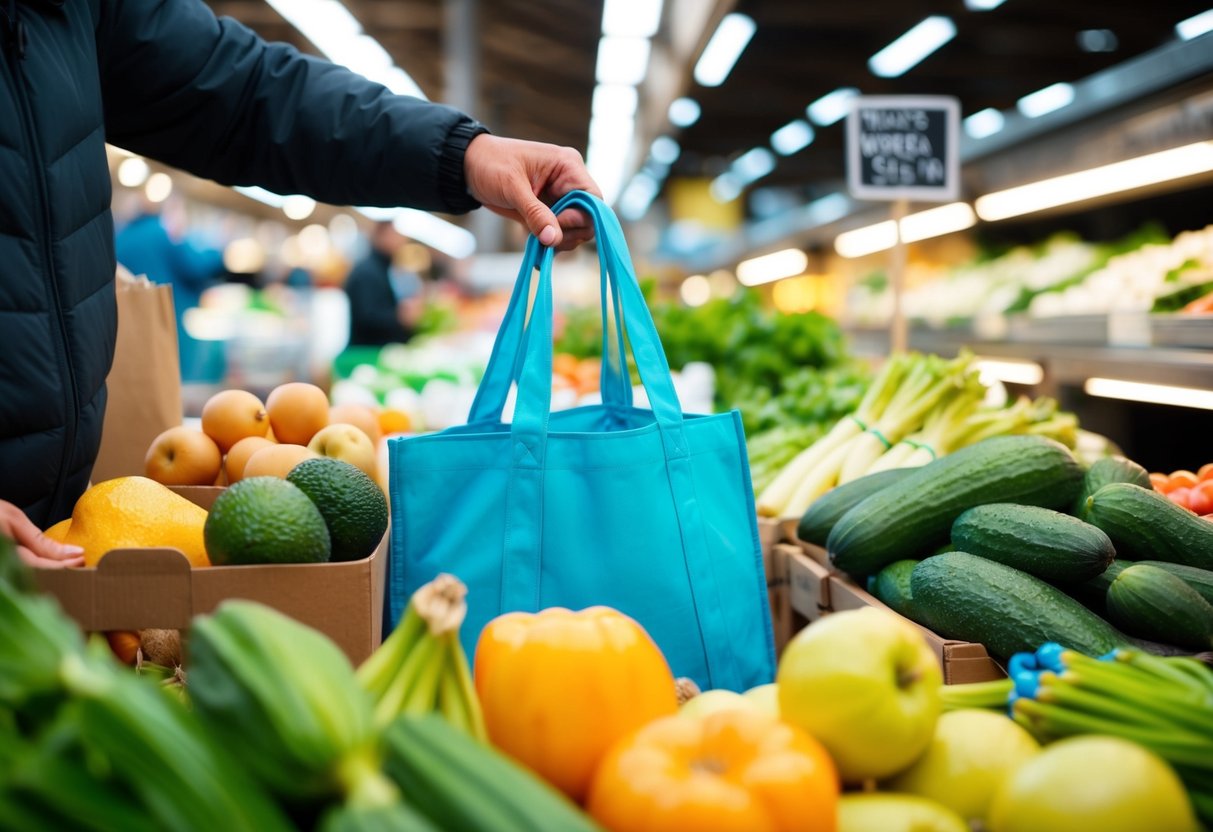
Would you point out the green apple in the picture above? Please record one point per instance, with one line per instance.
(970, 755)
(766, 696)
(711, 701)
(1104, 784)
(866, 685)
(895, 813)
(347, 443)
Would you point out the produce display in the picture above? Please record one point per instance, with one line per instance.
(1184, 488)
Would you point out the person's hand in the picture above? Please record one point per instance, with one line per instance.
(516, 178)
(33, 546)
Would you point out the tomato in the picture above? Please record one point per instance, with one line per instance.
(1183, 479)
(1179, 496)
(1159, 481)
(1200, 498)
(1206, 472)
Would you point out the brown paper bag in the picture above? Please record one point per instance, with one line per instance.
(145, 380)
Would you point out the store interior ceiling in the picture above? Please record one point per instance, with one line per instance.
(528, 68)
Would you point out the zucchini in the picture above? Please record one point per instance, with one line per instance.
(815, 525)
(457, 783)
(1152, 603)
(965, 597)
(914, 516)
(1054, 547)
(1106, 471)
(1145, 525)
(1200, 580)
(1094, 593)
(891, 586)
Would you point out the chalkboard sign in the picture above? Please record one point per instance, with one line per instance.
(904, 147)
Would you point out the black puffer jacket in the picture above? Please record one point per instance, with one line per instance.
(165, 79)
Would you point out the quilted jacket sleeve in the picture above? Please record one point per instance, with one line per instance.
(211, 97)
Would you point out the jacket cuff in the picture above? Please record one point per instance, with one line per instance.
(452, 180)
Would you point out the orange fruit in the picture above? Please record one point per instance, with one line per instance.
(394, 421)
(58, 532)
(360, 416)
(297, 411)
(183, 456)
(136, 512)
(276, 461)
(239, 455)
(565, 364)
(232, 415)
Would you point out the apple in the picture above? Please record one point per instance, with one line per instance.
(347, 443)
(971, 754)
(866, 685)
(895, 813)
(712, 701)
(766, 697)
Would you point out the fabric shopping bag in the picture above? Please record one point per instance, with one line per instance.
(647, 511)
(144, 382)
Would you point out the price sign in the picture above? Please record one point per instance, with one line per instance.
(904, 147)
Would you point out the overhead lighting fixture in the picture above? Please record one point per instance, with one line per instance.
(903, 54)
(609, 150)
(636, 198)
(793, 137)
(333, 30)
(726, 187)
(631, 18)
(244, 256)
(614, 101)
(298, 207)
(984, 123)
(983, 5)
(133, 172)
(622, 60)
(452, 240)
(724, 48)
(1098, 40)
(828, 208)
(1195, 26)
(1011, 372)
(754, 164)
(1052, 97)
(256, 192)
(664, 150)
(1137, 391)
(1177, 163)
(159, 186)
(867, 240)
(935, 222)
(695, 290)
(684, 112)
(832, 106)
(771, 267)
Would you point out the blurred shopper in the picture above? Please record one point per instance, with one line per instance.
(385, 299)
(166, 79)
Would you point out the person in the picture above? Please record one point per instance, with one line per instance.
(169, 80)
(384, 299)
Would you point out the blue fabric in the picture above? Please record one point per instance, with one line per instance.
(647, 511)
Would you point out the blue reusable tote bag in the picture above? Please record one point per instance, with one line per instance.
(647, 511)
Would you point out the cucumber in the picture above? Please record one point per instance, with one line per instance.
(1106, 471)
(965, 597)
(1200, 580)
(1094, 593)
(1151, 603)
(1054, 547)
(815, 525)
(1145, 525)
(891, 586)
(914, 516)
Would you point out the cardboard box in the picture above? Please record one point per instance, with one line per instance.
(131, 589)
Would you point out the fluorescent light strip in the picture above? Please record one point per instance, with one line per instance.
(622, 60)
(1195, 26)
(614, 101)
(259, 194)
(684, 112)
(631, 18)
(867, 240)
(664, 150)
(1047, 100)
(1177, 163)
(1012, 372)
(935, 222)
(724, 48)
(636, 198)
(984, 123)
(609, 149)
(754, 164)
(726, 187)
(832, 106)
(920, 41)
(1136, 391)
(770, 267)
(436, 233)
(333, 30)
(983, 5)
(793, 137)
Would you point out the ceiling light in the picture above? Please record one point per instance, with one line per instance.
(1098, 40)
(792, 137)
(726, 187)
(298, 207)
(261, 195)
(867, 240)
(1136, 391)
(1011, 372)
(622, 60)
(636, 198)
(832, 106)
(754, 164)
(725, 47)
(1151, 169)
(695, 290)
(452, 240)
(984, 123)
(133, 172)
(1195, 26)
(935, 222)
(786, 263)
(828, 208)
(1052, 97)
(903, 54)
(983, 5)
(609, 150)
(664, 150)
(614, 101)
(631, 18)
(244, 256)
(159, 186)
(684, 112)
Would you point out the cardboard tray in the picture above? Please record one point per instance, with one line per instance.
(132, 589)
